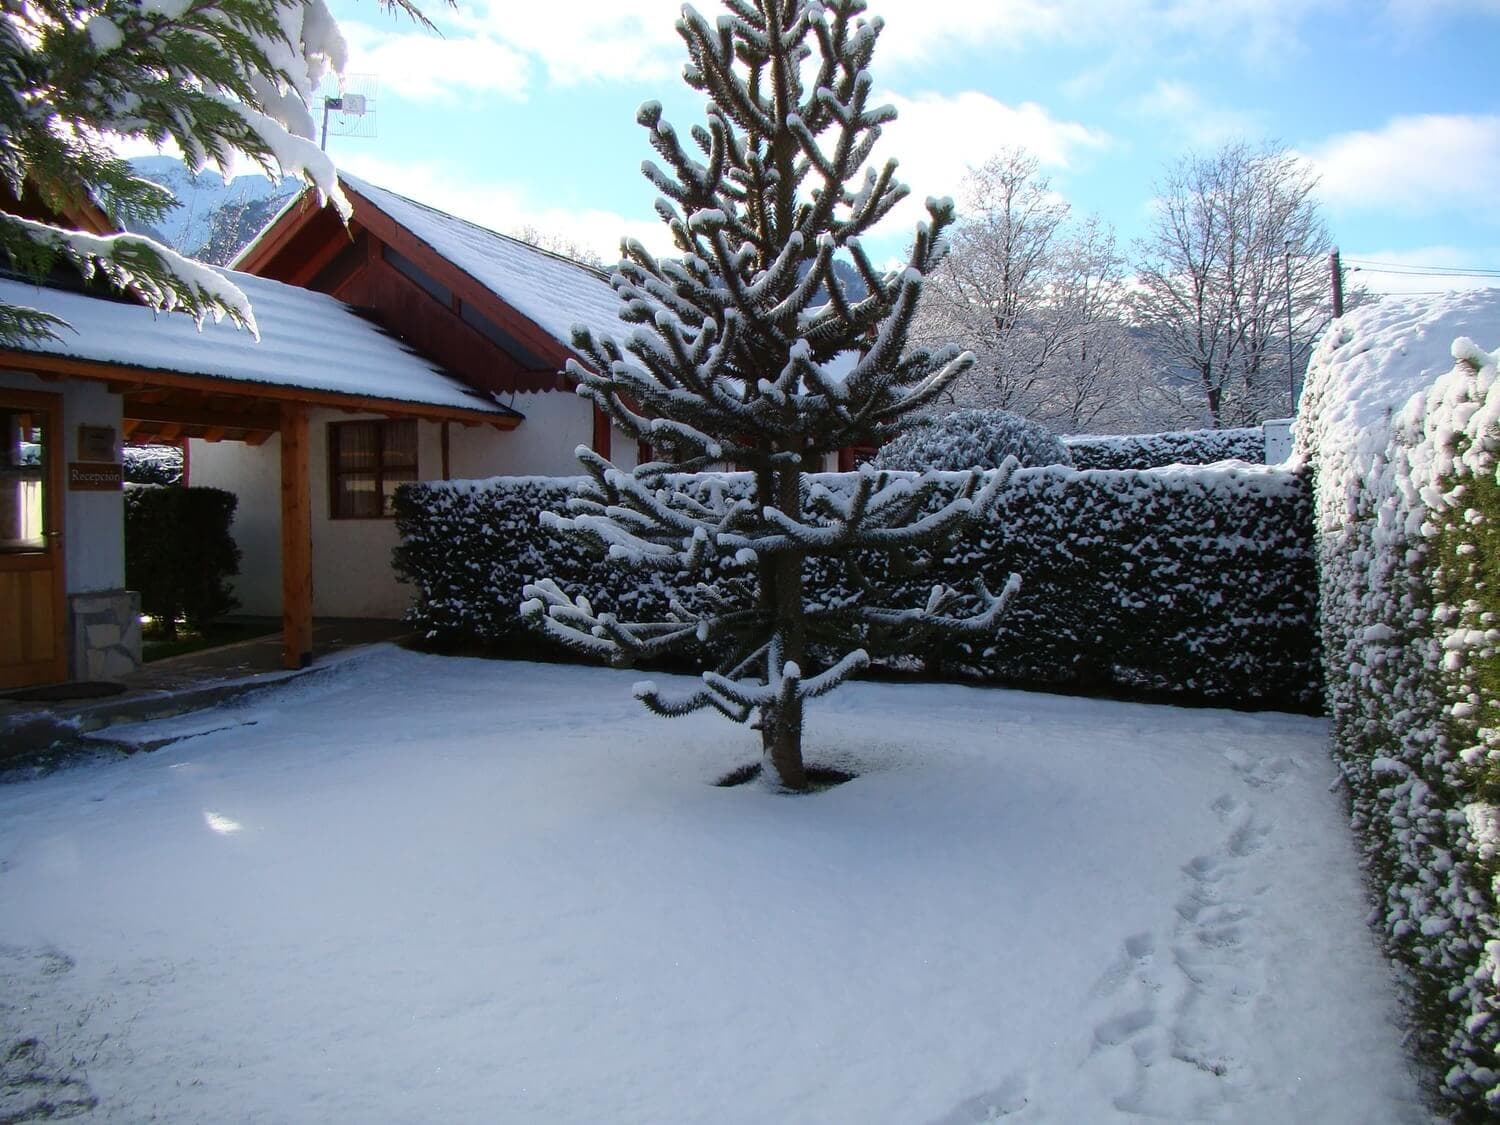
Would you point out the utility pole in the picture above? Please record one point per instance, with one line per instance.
(1338, 282)
(1291, 369)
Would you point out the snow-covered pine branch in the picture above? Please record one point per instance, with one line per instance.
(758, 347)
(219, 79)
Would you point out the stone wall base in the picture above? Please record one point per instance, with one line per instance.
(106, 634)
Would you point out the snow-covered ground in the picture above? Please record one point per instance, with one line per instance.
(416, 889)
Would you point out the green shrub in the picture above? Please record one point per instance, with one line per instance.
(1197, 583)
(179, 553)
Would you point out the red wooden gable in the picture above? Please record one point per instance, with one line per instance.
(415, 293)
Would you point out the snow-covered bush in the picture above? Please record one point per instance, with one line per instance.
(965, 439)
(153, 464)
(1192, 581)
(1178, 447)
(1401, 425)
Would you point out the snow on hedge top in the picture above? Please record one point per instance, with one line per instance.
(1371, 361)
(307, 340)
(551, 291)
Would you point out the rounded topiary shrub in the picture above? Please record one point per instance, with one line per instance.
(179, 553)
(967, 439)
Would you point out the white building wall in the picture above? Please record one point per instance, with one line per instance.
(93, 522)
(557, 423)
(352, 572)
(253, 474)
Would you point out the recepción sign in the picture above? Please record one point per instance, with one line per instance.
(95, 476)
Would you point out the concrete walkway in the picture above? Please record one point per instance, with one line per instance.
(34, 733)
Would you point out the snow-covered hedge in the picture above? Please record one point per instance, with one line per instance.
(153, 464)
(1196, 581)
(1179, 447)
(1401, 426)
(966, 439)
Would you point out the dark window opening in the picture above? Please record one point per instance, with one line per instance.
(343, 265)
(502, 339)
(415, 273)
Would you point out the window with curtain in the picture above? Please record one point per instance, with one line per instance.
(366, 462)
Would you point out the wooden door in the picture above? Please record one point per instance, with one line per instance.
(33, 619)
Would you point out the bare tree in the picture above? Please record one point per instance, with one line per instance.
(1100, 379)
(555, 243)
(1040, 299)
(1234, 233)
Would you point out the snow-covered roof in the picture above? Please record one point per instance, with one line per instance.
(307, 340)
(551, 291)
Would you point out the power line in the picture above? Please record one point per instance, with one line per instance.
(1366, 265)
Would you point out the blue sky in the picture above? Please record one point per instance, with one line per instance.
(524, 113)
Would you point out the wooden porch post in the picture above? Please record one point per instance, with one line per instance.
(296, 538)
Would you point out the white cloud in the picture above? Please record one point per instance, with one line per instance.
(1200, 123)
(421, 66)
(591, 40)
(495, 45)
(505, 206)
(1412, 13)
(1261, 28)
(1427, 164)
(938, 138)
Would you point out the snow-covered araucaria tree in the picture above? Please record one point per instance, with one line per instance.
(750, 352)
(217, 77)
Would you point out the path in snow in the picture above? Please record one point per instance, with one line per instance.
(416, 889)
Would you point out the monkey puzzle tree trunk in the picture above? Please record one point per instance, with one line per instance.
(781, 718)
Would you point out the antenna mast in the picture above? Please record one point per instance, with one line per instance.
(349, 108)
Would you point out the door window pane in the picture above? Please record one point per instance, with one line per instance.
(23, 476)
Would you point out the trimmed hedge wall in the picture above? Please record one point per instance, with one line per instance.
(153, 464)
(965, 439)
(179, 553)
(1179, 447)
(1196, 582)
(1403, 442)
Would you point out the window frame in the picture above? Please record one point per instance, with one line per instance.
(380, 469)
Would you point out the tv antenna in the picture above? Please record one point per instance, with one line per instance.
(349, 107)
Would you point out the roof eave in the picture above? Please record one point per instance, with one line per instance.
(122, 377)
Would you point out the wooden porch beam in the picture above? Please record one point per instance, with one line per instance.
(201, 416)
(296, 539)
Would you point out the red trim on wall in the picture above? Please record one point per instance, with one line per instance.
(602, 434)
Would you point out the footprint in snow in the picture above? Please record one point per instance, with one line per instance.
(1010, 1097)
(1260, 770)
(1167, 1047)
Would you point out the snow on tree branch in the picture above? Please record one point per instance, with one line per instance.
(755, 348)
(220, 79)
